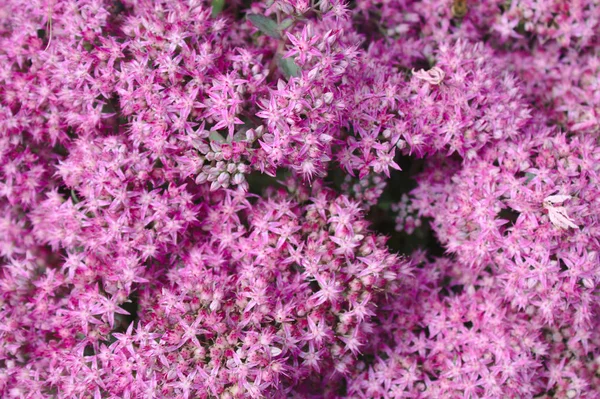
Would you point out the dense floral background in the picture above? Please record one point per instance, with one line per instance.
(299, 199)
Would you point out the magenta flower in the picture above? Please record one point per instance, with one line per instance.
(299, 199)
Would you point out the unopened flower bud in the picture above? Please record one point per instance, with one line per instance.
(201, 178)
(215, 305)
(223, 178)
(214, 186)
(238, 178)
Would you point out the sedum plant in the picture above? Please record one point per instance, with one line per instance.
(299, 199)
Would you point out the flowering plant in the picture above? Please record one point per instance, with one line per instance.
(299, 199)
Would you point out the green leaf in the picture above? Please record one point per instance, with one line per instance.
(74, 197)
(288, 67)
(286, 23)
(217, 7)
(265, 25)
(240, 135)
(530, 177)
(216, 136)
(385, 205)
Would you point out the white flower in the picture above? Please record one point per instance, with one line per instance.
(558, 214)
(275, 351)
(434, 76)
(556, 199)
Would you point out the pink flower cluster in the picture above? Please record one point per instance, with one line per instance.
(198, 199)
(454, 337)
(527, 210)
